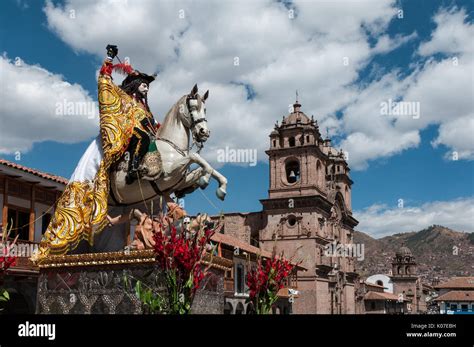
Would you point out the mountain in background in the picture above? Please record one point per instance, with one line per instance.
(439, 252)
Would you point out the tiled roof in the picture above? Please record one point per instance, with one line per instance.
(244, 247)
(458, 282)
(457, 295)
(380, 296)
(234, 242)
(35, 172)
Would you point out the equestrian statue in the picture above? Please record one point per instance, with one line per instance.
(134, 159)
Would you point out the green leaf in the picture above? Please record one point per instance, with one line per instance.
(138, 288)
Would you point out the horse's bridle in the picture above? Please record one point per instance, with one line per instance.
(192, 109)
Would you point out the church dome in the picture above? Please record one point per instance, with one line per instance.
(404, 252)
(297, 116)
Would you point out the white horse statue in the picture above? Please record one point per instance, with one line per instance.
(185, 120)
(186, 117)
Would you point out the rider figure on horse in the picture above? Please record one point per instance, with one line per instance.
(125, 124)
(136, 85)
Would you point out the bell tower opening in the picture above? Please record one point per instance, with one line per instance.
(292, 169)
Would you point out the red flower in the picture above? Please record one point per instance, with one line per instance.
(180, 258)
(266, 280)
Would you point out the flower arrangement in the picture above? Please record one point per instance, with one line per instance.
(266, 279)
(6, 260)
(180, 248)
(180, 256)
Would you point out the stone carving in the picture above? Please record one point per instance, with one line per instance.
(101, 287)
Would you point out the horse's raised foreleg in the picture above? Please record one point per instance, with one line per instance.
(209, 171)
(190, 183)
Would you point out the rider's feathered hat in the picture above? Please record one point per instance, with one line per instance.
(137, 75)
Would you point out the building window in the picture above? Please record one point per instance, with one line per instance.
(379, 282)
(240, 309)
(372, 305)
(464, 308)
(239, 279)
(291, 221)
(291, 141)
(319, 172)
(454, 307)
(307, 138)
(228, 308)
(45, 222)
(347, 197)
(292, 171)
(274, 143)
(19, 219)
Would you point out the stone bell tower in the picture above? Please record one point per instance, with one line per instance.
(405, 279)
(309, 208)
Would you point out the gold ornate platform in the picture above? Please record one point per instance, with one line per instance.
(95, 283)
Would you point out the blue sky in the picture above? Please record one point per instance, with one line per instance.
(416, 171)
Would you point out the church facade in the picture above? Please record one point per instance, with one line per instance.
(307, 212)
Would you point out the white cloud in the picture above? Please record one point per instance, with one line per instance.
(382, 220)
(459, 135)
(276, 54)
(30, 111)
(452, 35)
(442, 89)
(387, 44)
(191, 42)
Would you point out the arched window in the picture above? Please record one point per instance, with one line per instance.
(399, 269)
(228, 308)
(274, 143)
(291, 220)
(292, 169)
(379, 282)
(319, 173)
(407, 270)
(291, 141)
(240, 309)
(347, 197)
(239, 279)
